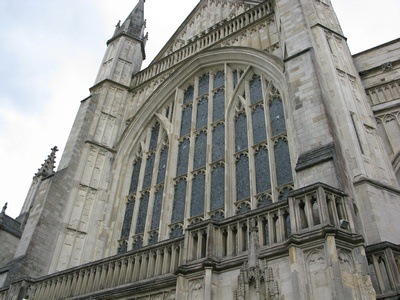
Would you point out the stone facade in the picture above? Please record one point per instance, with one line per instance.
(254, 158)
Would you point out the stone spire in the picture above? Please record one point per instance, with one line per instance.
(47, 167)
(134, 25)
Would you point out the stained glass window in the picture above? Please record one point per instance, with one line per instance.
(202, 112)
(148, 173)
(218, 147)
(188, 94)
(263, 180)
(183, 156)
(141, 219)
(135, 176)
(282, 162)
(277, 116)
(200, 150)
(198, 191)
(259, 130)
(241, 132)
(155, 219)
(255, 90)
(154, 136)
(219, 79)
(186, 120)
(218, 187)
(264, 200)
(242, 177)
(178, 210)
(203, 84)
(219, 105)
(162, 165)
(126, 227)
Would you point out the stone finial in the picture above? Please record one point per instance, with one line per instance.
(3, 211)
(48, 166)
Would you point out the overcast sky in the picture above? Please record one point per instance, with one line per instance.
(51, 50)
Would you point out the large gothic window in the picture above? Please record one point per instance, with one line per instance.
(227, 153)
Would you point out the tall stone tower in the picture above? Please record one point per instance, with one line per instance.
(245, 162)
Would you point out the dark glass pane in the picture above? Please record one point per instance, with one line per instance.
(277, 116)
(175, 232)
(242, 177)
(242, 208)
(288, 229)
(178, 211)
(153, 238)
(263, 180)
(200, 150)
(235, 78)
(155, 219)
(219, 105)
(284, 194)
(219, 79)
(135, 176)
(148, 171)
(241, 132)
(259, 130)
(126, 226)
(255, 89)
(162, 165)
(218, 147)
(183, 156)
(154, 136)
(264, 200)
(203, 84)
(186, 120)
(202, 112)
(218, 187)
(282, 161)
(123, 247)
(138, 243)
(219, 215)
(188, 94)
(141, 219)
(198, 192)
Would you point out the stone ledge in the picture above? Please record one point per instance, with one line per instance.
(315, 157)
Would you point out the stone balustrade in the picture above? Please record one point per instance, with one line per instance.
(210, 37)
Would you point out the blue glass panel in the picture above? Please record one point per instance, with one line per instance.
(154, 136)
(153, 238)
(186, 120)
(241, 132)
(138, 243)
(202, 112)
(218, 187)
(264, 200)
(219, 105)
(242, 208)
(263, 179)
(162, 165)
(155, 219)
(175, 232)
(200, 150)
(188, 94)
(126, 226)
(203, 84)
(282, 161)
(178, 211)
(242, 178)
(219, 215)
(259, 130)
(135, 176)
(277, 116)
(284, 193)
(148, 171)
(288, 229)
(198, 192)
(183, 156)
(141, 219)
(218, 147)
(255, 89)
(235, 78)
(123, 247)
(219, 79)
(266, 232)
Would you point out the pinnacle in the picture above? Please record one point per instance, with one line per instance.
(48, 166)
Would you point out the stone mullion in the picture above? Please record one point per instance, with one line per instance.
(152, 263)
(122, 271)
(392, 267)
(110, 274)
(84, 285)
(129, 270)
(51, 288)
(173, 260)
(103, 276)
(136, 269)
(97, 277)
(143, 269)
(74, 282)
(308, 211)
(90, 280)
(37, 292)
(378, 274)
(323, 205)
(115, 273)
(77, 288)
(42, 292)
(58, 287)
(167, 259)
(159, 262)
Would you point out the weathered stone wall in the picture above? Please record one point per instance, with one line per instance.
(9, 243)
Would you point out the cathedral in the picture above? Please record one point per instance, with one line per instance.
(254, 158)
